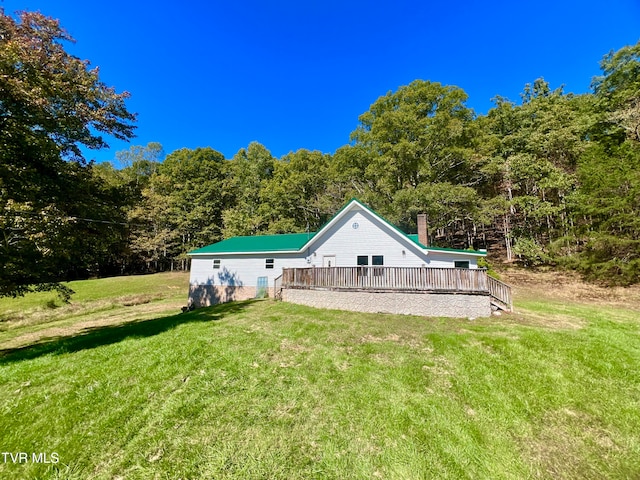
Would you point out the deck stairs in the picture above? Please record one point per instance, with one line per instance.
(500, 293)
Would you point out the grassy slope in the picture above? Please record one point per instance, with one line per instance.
(273, 390)
(95, 303)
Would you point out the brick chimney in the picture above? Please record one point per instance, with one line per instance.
(423, 237)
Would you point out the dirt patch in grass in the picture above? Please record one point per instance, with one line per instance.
(557, 448)
(562, 286)
(554, 321)
(289, 355)
(407, 341)
(116, 316)
(288, 345)
(37, 316)
(131, 300)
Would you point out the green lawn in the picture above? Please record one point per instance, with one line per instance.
(260, 389)
(95, 302)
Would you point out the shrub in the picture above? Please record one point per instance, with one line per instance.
(529, 252)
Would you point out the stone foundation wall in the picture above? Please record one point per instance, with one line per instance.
(207, 295)
(422, 304)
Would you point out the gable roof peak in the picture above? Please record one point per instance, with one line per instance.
(298, 242)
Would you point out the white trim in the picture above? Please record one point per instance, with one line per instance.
(456, 252)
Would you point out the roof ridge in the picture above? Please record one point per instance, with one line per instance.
(247, 244)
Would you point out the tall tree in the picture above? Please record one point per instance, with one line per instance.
(182, 207)
(249, 170)
(50, 103)
(420, 133)
(127, 185)
(607, 204)
(292, 197)
(532, 151)
(618, 91)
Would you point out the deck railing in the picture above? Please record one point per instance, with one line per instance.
(418, 279)
(500, 293)
(277, 288)
(387, 278)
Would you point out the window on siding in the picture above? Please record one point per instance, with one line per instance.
(377, 260)
(269, 263)
(216, 263)
(461, 263)
(363, 261)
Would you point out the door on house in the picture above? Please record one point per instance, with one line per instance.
(262, 287)
(328, 260)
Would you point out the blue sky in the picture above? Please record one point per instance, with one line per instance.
(297, 74)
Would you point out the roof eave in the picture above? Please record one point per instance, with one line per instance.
(270, 252)
(474, 253)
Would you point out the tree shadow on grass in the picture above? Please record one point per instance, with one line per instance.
(105, 335)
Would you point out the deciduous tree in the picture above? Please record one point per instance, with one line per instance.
(51, 103)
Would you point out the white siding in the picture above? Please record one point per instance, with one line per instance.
(375, 237)
(447, 260)
(240, 270)
(372, 237)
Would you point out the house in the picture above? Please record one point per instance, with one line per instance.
(245, 267)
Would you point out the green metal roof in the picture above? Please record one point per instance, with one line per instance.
(293, 242)
(289, 242)
(414, 237)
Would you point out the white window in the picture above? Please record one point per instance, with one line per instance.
(461, 264)
(269, 263)
(216, 263)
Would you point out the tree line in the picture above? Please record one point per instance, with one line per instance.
(553, 178)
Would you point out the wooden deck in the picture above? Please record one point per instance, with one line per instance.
(404, 279)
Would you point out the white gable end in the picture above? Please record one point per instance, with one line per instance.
(358, 232)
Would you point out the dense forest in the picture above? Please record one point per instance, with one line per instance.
(550, 179)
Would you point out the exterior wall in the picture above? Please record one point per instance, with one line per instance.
(421, 304)
(207, 295)
(447, 260)
(372, 237)
(375, 237)
(240, 270)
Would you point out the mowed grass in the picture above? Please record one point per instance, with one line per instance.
(94, 303)
(263, 389)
